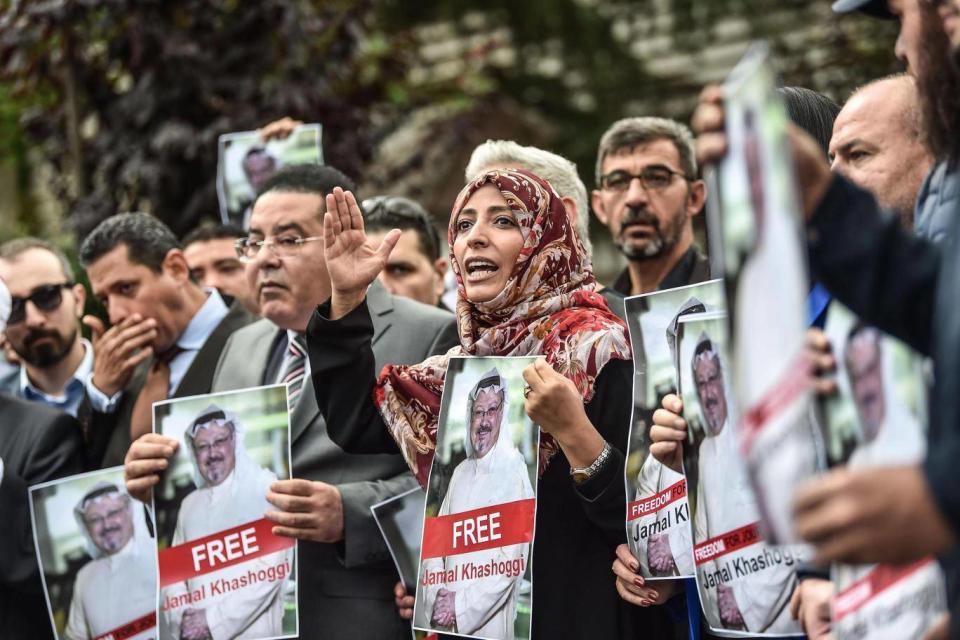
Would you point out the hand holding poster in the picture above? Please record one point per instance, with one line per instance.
(658, 528)
(222, 572)
(99, 565)
(246, 161)
(877, 418)
(765, 270)
(744, 584)
(481, 505)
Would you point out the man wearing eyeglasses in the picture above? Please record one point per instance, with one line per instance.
(347, 572)
(647, 195)
(166, 335)
(44, 325)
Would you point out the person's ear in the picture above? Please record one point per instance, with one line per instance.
(175, 265)
(440, 269)
(596, 201)
(572, 211)
(696, 197)
(80, 294)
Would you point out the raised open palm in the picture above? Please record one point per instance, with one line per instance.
(353, 260)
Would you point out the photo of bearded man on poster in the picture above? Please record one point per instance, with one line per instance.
(494, 472)
(231, 491)
(116, 588)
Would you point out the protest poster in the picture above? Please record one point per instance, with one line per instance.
(245, 161)
(765, 271)
(475, 575)
(658, 529)
(744, 583)
(98, 565)
(400, 520)
(222, 572)
(878, 418)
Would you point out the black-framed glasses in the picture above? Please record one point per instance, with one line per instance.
(46, 297)
(281, 246)
(480, 414)
(652, 178)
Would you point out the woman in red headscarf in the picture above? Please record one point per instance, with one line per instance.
(524, 288)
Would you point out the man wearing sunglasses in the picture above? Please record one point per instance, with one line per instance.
(166, 334)
(37, 444)
(44, 325)
(647, 195)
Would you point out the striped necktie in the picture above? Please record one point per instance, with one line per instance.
(294, 369)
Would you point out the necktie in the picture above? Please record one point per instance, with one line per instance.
(294, 369)
(155, 388)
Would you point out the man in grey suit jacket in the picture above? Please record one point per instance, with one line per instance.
(345, 573)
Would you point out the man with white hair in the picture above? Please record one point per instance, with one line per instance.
(231, 491)
(562, 176)
(115, 593)
(493, 473)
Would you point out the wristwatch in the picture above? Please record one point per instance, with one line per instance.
(582, 474)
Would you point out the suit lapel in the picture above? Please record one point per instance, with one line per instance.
(380, 304)
(199, 376)
(305, 413)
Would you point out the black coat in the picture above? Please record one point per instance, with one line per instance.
(37, 444)
(578, 527)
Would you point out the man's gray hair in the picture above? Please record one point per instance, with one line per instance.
(626, 134)
(557, 170)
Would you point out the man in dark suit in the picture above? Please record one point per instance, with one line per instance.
(166, 333)
(346, 574)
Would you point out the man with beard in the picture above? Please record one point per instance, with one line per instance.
(231, 491)
(37, 444)
(116, 589)
(493, 473)
(648, 194)
(43, 328)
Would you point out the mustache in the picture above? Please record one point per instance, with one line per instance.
(213, 459)
(639, 215)
(37, 334)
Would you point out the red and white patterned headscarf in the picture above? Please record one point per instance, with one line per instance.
(549, 307)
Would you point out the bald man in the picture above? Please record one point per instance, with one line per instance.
(877, 145)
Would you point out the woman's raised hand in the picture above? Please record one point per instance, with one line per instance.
(353, 261)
